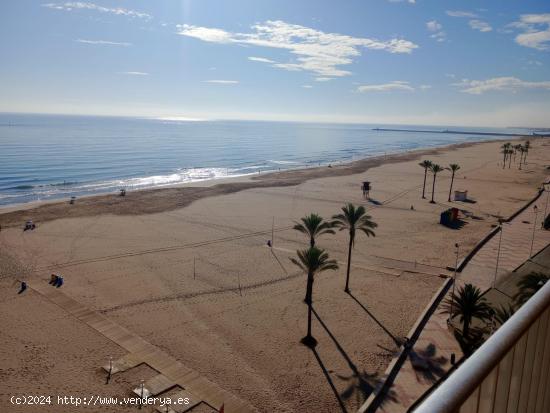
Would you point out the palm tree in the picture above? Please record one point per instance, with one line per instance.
(353, 219)
(529, 285)
(435, 169)
(468, 303)
(510, 152)
(454, 167)
(313, 226)
(426, 165)
(505, 148)
(526, 146)
(502, 314)
(312, 261)
(522, 151)
(516, 149)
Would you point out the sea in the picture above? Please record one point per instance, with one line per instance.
(48, 157)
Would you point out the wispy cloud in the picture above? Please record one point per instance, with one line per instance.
(222, 82)
(307, 86)
(436, 28)
(260, 59)
(536, 31)
(398, 85)
(480, 25)
(103, 42)
(316, 51)
(403, 1)
(79, 5)
(134, 73)
(458, 13)
(510, 84)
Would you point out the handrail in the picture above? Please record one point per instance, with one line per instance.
(463, 382)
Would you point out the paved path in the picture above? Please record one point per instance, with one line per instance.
(169, 367)
(430, 356)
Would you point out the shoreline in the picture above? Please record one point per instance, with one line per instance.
(156, 200)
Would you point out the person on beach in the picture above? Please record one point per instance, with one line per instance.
(23, 287)
(53, 279)
(59, 282)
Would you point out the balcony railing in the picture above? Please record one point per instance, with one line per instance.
(510, 372)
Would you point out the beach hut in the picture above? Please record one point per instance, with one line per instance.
(461, 195)
(449, 217)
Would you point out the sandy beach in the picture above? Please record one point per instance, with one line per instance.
(188, 270)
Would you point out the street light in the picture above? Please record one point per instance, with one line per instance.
(449, 320)
(546, 187)
(535, 210)
(498, 254)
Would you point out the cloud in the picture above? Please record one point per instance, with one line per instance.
(401, 1)
(260, 59)
(435, 27)
(134, 73)
(510, 84)
(536, 31)
(322, 79)
(480, 25)
(79, 5)
(103, 42)
(315, 51)
(307, 86)
(222, 82)
(458, 13)
(386, 87)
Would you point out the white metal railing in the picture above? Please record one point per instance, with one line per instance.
(510, 372)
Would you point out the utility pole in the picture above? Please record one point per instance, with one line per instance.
(498, 255)
(535, 210)
(454, 284)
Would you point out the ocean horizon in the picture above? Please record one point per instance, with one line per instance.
(49, 157)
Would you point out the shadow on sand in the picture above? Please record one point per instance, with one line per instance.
(359, 383)
(397, 341)
(426, 364)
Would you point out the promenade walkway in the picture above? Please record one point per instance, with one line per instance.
(171, 372)
(430, 356)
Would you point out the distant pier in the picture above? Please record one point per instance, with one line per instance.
(455, 132)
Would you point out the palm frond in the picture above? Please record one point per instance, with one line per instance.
(529, 285)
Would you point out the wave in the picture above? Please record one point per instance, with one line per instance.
(20, 187)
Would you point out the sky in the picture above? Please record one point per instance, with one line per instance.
(432, 62)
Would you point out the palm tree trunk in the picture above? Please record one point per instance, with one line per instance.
(510, 162)
(451, 188)
(424, 187)
(433, 190)
(466, 328)
(504, 164)
(309, 299)
(349, 262)
(309, 336)
(309, 289)
(312, 242)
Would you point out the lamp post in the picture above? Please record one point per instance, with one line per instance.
(449, 320)
(141, 391)
(535, 211)
(110, 369)
(546, 187)
(498, 254)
